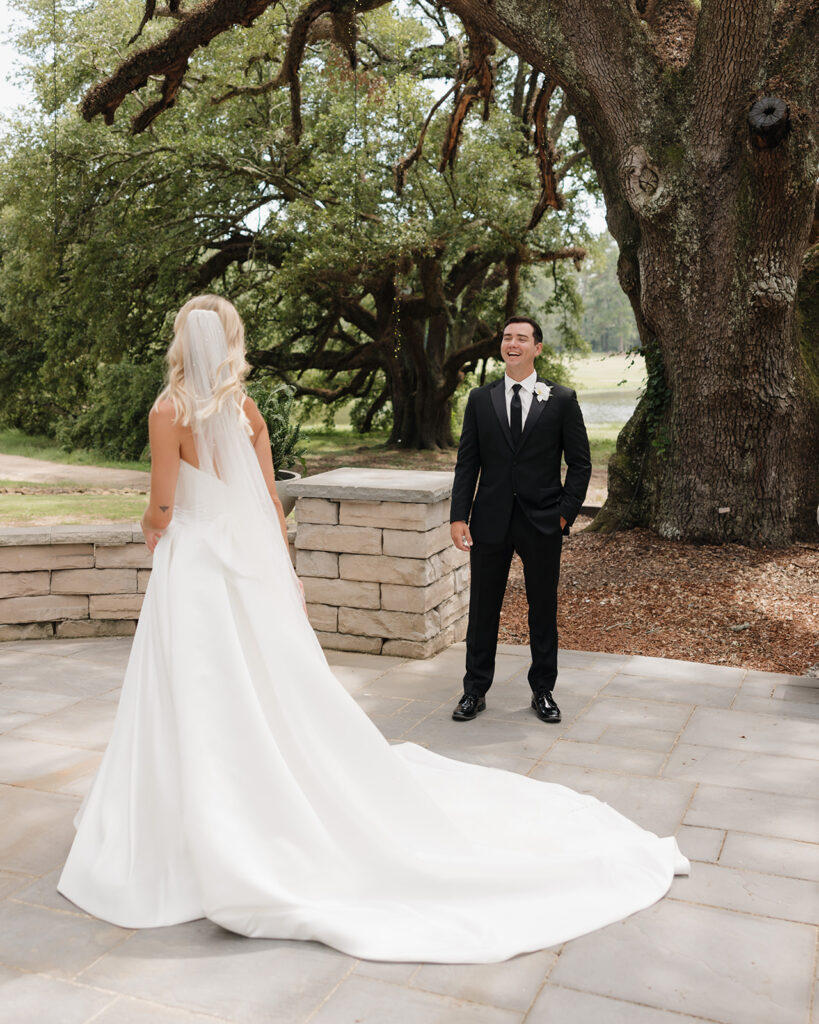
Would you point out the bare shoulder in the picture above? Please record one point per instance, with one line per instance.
(163, 411)
(250, 407)
(162, 420)
(251, 410)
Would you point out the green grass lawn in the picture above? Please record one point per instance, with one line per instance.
(328, 446)
(602, 441)
(606, 371)
(44, 509)
(320, 441)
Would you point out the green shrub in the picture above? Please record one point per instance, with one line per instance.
(275, 403)
(115, 419)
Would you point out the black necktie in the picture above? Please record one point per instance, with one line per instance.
(516, 415)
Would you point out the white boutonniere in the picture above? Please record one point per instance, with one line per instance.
(542, 391)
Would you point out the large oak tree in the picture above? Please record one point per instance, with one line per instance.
(700, 121)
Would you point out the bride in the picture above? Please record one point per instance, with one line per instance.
(243, 784)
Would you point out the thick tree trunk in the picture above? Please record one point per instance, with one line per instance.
(422, 408)
(725, 444)
(421, 420)
(711, 200)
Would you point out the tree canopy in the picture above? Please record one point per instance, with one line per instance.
(362, 269)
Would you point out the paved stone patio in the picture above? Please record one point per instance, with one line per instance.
(725, 758)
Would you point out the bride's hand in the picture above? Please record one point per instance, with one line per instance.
(303, 598)
(152, 537)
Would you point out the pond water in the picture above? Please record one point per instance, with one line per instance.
(614, 406)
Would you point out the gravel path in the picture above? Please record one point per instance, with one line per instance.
(18, 467)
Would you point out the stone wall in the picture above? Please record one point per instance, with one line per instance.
(379, 569)
(372, 548)
(71, 581)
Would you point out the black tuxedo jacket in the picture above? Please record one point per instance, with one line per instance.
(529, 473)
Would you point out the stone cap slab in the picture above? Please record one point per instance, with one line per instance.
(107, 534)
(353, 482)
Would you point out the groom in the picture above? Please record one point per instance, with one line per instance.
(515, 431)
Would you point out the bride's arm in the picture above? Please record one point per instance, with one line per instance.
(261, 445)
(164, 437)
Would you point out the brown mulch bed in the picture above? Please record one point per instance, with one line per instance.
(634, 593)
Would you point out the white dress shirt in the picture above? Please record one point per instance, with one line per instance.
(527, 389)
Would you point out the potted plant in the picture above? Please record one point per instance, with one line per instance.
(275, 403)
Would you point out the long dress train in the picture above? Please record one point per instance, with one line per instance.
(243, 784)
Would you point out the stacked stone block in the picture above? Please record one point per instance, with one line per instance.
(372, 548)
(379, 569)
(71, 581)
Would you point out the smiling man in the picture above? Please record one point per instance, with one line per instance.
(515, 432)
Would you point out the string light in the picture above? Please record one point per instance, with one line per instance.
(54, 114)
(354, 40)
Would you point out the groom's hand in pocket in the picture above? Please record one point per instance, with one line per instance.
(461, 537)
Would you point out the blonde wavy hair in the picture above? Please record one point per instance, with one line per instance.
(231, 388)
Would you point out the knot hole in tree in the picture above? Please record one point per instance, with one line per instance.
(768, 122)
(648, 180)
(643, 182)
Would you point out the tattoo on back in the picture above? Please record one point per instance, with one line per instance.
(164, 508)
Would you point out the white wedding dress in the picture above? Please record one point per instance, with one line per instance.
(243, 784)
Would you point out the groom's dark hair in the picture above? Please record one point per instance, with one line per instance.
(538, 333)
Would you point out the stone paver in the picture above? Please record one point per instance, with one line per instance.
(727, 759)
(696, 960)
(201, 968)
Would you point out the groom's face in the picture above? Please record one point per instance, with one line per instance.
(519, 350)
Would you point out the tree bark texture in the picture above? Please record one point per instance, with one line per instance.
(713, 234)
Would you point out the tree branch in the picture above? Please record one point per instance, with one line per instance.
(375, 408)
(477, 66)
(363, 357)
(483, 349)
(569, 163)
(328, 395)
(468, 267)
(581, 45)
(169, 58)
(545, 152)
(238, 248)
(400, 169)
(576, 253)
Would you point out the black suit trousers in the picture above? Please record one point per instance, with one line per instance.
(489, 567)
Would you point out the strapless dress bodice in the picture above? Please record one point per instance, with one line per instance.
(199, 495)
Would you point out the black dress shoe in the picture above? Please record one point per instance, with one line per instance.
(545, 707)
(468, 706)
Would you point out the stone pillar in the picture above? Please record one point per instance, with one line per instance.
(379, 569)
